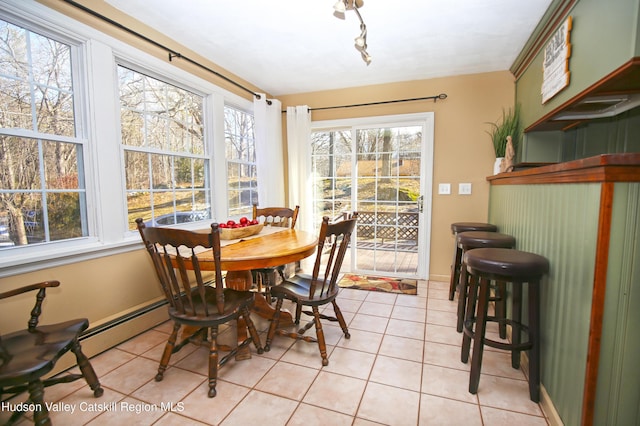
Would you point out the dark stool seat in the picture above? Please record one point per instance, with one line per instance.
(456, 228)
(517, 267)
(481, 239)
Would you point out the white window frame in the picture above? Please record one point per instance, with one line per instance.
(98, 103)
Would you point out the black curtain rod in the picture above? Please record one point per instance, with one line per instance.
(172, 53)
(435, 98)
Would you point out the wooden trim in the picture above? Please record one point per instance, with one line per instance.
(600, 168)
(536, 45)
(597, 303)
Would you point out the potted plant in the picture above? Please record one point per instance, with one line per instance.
(508, 126)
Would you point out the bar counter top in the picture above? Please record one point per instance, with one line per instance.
(599, 168)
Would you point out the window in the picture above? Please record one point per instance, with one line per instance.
(242, 189)
(42, 184)
(166, 164)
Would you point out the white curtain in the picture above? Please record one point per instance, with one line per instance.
(269, 152)
(299, 154)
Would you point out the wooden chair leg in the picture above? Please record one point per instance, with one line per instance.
(341, 321)
(36, 395)
(87, 370)
(253, 332)
(516, 316)
(274, 325)
(320, 336)
(168, 350)
(213, 361)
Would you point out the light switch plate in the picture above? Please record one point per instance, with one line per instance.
(464, 188)
(444, 188)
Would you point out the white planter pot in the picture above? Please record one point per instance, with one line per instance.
(496, 165)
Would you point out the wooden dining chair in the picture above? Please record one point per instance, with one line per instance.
(319, 288)
(27, 355)
(283, 217)
(192, 301)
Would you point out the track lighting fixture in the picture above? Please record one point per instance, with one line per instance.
(340, 8)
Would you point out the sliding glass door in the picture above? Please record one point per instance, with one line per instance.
(380, 167)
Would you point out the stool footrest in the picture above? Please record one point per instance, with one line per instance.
(522, 346)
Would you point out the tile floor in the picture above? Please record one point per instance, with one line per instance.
(400, 367)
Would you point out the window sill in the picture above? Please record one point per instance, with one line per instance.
(29, 259)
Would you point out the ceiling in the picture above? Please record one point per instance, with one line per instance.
(296, 46)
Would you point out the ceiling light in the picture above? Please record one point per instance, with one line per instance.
(340, 8)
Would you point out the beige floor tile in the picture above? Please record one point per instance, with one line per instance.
(369, 323)
(348, 305)
(447, 383)
(412, 301)
(353, 294)
(443, 334)
(444, 355)
(336, 392)
(380, 297)
(442, 294)
(308, 415)
(350, 363)
(360, 340)
(173, 419)
(259, 408)
(110, 360)
(130, 376)
(499, 364)
(143, 342)
(288, 380)
(177, 384)
(389, 405)
(199, 406)
(493, 416)
(508, 394)
(439, 285)
(441, 318)
(376, 309)
(129, 411)
(409, 314)
(84, 407)
(402, 347)
(397, 372)
(305, 353)
(402, 328)
(442, 305)
(246, 372)
(437, 411)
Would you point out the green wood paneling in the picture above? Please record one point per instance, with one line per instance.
(618, 394)
(558, 221)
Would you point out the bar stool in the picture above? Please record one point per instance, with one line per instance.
(456, 228)
(480, 239)
(517, 267)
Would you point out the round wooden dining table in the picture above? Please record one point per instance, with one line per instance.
(273, 247)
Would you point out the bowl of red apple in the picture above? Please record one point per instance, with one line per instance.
(232, 230)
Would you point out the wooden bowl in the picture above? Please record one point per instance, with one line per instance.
(236, 233)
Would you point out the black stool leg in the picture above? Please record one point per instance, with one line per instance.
(455, 270)
(516, 309)
(501, 307)
(534, 337)
(463, 288)
(468, 318)
(478, 336)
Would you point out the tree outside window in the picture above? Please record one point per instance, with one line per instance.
(165, 156)
(42, 189)
(242, 188)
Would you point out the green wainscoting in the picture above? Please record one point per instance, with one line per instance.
(558, 221)
(618, 392)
